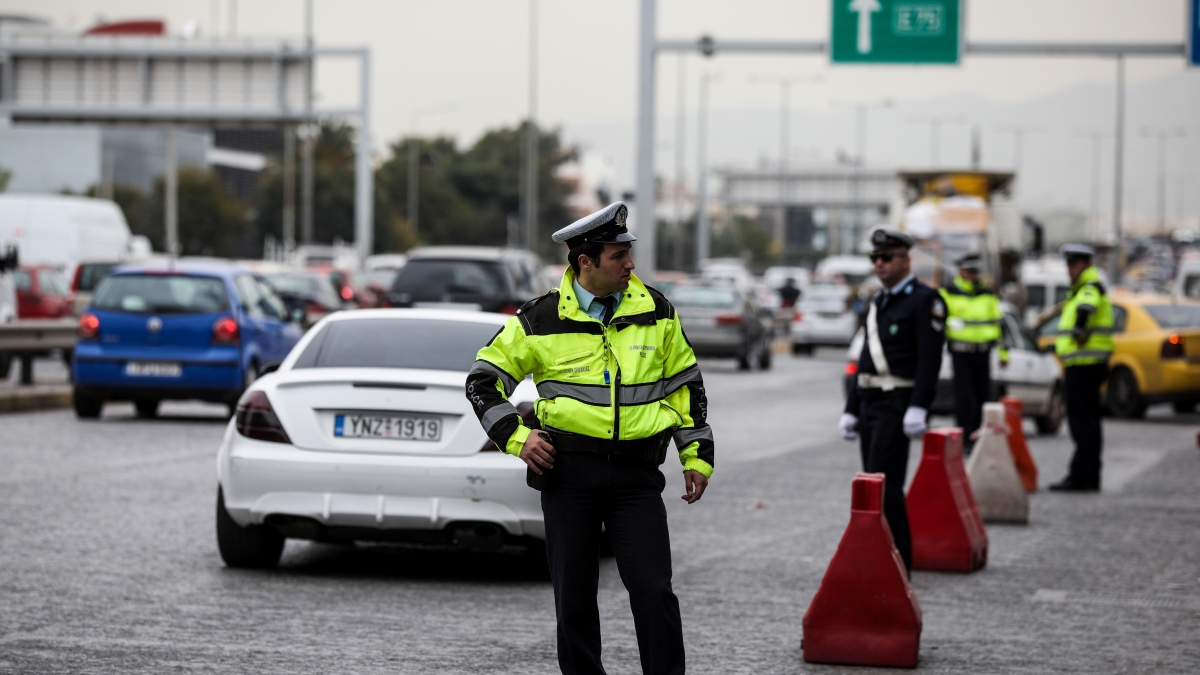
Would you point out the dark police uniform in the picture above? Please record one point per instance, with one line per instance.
(910, 324)
(613, 391)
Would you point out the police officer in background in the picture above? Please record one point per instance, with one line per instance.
(897, 375)
(1084, 344)
(972, 330)
(617, 380)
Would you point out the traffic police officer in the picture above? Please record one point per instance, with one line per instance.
(972, 329)
(617, 380)
(1084, 344)
(897, 375)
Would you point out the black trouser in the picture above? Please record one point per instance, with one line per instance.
(972, 388)
(885, 450)
(1082, 396)
(625, 495)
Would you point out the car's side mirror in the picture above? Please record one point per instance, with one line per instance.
(270, 368)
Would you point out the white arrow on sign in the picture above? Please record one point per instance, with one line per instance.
(864, 8)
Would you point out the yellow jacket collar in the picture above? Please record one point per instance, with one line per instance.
(636, 301)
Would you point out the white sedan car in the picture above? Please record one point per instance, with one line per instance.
(365, 433)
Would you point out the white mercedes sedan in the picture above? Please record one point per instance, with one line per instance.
(364, 433)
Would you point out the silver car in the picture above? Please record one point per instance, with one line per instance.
(824, 317)
(724, 321)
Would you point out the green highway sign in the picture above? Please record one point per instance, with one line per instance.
(895, 31)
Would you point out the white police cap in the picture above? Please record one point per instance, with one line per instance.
(970, 261)
(887, 237)
(1077, 251)
(604, 226)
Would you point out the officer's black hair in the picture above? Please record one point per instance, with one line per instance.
(592, 249)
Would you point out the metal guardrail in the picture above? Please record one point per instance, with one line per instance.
(26, 339)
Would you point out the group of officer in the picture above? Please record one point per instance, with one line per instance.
(617, 382)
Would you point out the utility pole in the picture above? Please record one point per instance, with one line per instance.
(702, 224)
(171, 188)
(1162, 135)
(935, 132)
(309, 138)
(289, 188)
(785, 118)
(531, 142)
(1118, 176)
(680, 122)
(645, 196)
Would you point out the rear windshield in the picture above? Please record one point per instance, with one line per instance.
(437, 278)
(91, 274)
(305, 285)
(52, 282)
(162, 294)
(1175, 316)
(397, 343)
(703, 296)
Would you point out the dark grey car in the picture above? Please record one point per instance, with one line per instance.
(724, 321)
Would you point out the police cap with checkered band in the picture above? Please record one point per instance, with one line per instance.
(606, 226)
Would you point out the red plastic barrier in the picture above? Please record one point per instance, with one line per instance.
(864, 612)
(1026, 467)
(947, 532)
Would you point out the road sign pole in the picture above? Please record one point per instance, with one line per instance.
(1118, 175)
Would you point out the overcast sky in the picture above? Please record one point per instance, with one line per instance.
(472, 56)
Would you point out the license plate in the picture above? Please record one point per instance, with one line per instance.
(153, 369)
(399, 427)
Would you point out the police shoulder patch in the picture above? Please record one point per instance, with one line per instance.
(939, 308)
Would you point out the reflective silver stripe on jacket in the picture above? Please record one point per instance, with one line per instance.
(884, 382)
(1094, 331)
(980, 322)
(590, 394)
(495, 414)
(1086, 355)
(484, 367)
(685, 437)
(639, 394)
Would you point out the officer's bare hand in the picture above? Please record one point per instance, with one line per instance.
(694, 482)
(537, 452)
(1003, 363)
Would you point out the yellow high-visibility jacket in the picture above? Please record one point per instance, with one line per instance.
(633, 378)
(1088, 300)
(973, 315)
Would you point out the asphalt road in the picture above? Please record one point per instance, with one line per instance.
(108, 562)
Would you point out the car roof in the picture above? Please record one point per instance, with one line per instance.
(417, 313)
(465, 252)
(201, 266)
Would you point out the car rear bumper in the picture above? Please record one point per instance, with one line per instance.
(379, 493)
(1180, 381)
(210, 375)
(831, 334)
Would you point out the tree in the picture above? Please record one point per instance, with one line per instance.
(5, 176)
(743, 237)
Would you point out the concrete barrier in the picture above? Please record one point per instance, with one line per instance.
(864, 612)
(999, 493)
(947, 532)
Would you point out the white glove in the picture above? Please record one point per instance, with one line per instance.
(914, 421)
(848, 425)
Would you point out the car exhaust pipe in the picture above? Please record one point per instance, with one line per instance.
(479, 537)
(296, 527)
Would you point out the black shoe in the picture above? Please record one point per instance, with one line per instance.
(1069, 484)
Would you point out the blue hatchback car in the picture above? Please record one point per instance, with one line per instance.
(178, 330)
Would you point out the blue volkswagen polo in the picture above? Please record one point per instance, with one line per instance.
(177, 330)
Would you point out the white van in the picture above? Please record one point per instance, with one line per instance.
(1187, 280)
(63, 229)
(1044, 284)
(853, 269)
(8, 292)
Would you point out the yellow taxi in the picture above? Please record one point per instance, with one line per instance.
(1156, 355)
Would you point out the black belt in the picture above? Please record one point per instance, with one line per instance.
(969, 347)
(652, 449)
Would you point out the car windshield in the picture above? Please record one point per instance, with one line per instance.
(439, 278)
(309, 286)
(397, 343)
(1175, 316)
(91, 274)
(703, 296)
(162, 294)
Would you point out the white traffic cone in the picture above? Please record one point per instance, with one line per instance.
(999, 493)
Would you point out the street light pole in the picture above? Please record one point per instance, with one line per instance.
(645, 141)
(1162, 135)
(531, 141)
(785, 115)
(860, 149)
(1118, 174)
(702, 224)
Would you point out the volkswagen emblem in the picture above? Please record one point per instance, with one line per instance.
(154, 324)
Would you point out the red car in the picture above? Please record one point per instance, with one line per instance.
(42, 293)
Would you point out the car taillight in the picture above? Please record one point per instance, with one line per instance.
(1172, 347)
(797, 316)
(225, 331)
(89, 326)
(257, 419)
(851, 367)
(729, 320)
(347, 293)
(509, 309)
(314, 308)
